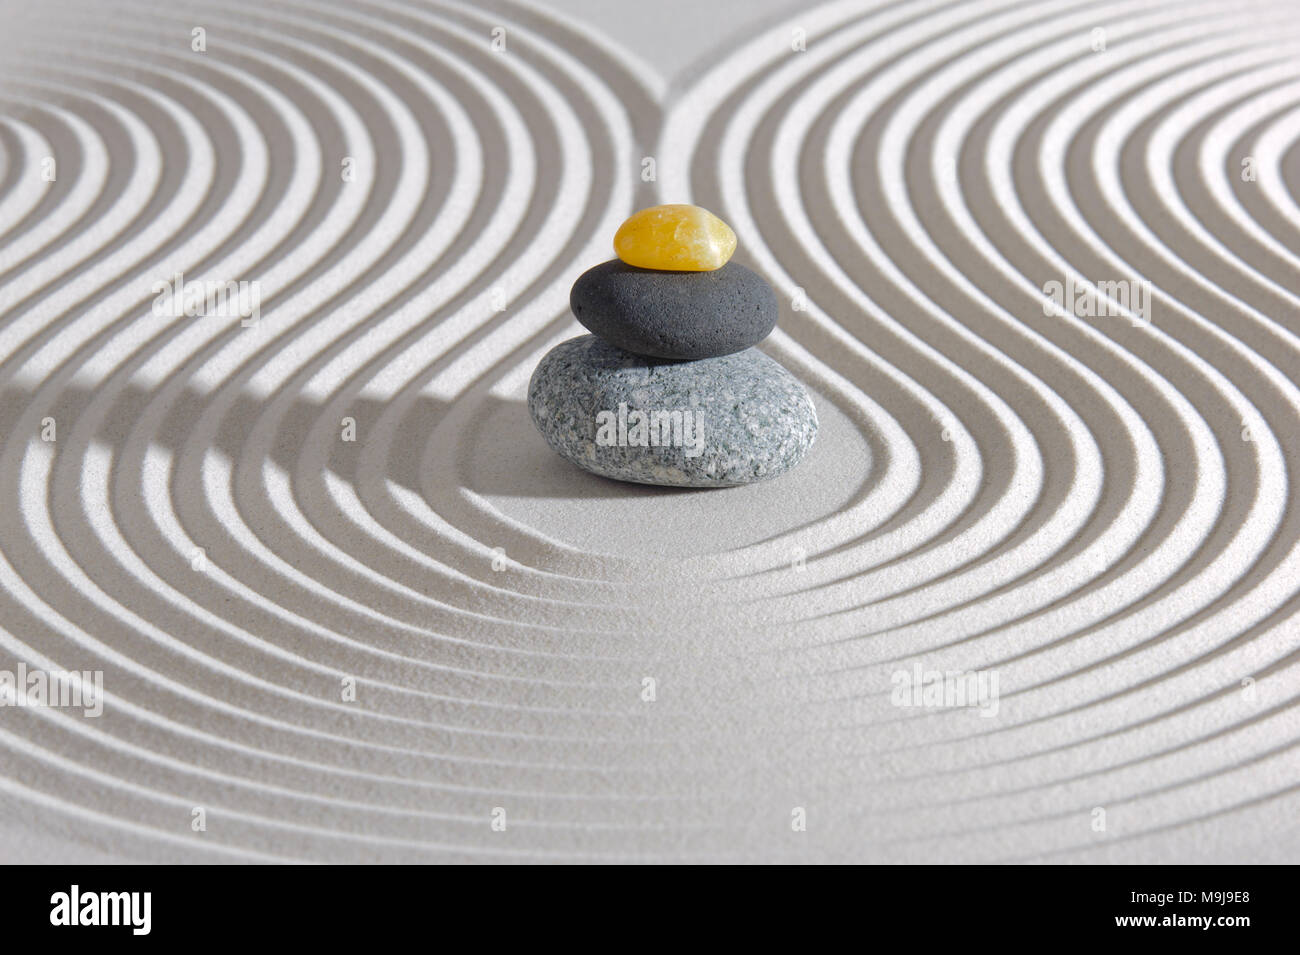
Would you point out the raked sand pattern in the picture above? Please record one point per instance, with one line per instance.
(440, 641)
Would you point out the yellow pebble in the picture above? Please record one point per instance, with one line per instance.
(675, 238)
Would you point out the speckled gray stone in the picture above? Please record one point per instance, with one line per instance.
(680, 315)
(743, 418)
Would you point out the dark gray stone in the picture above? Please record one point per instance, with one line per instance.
(716, 422)
(678, 315)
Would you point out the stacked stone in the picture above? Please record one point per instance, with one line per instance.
(670, 389)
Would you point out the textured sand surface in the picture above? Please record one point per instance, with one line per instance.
(1100, 511)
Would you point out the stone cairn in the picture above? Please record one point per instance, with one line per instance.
(669, 389)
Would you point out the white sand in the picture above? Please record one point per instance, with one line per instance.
(1098, 513)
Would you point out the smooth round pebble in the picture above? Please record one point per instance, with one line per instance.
(718, 422)
(679, 237)
(678, 315)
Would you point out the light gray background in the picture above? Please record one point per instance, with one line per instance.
(1099, 513)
